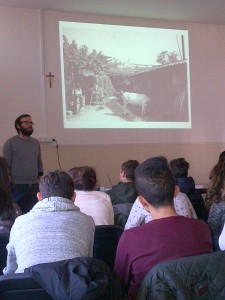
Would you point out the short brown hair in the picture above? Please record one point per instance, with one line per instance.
(56, 184)
(84, 178)
(179, 167)
(128, 167)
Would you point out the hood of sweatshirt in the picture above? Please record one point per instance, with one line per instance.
(55, 204)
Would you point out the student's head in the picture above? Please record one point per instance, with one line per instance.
(155, 182)
(127, 169)
(4, 173)
(56, 184)
(24, 125)
(84, 178)
(179, 167)
(216, 191)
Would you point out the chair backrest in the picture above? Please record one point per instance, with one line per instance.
(200, 277)
(121, 213)
(4, 239)
(21, 287)
(105, 243)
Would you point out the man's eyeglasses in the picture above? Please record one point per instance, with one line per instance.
(27, 122)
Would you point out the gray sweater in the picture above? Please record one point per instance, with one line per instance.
(24, 159)
(53, 230)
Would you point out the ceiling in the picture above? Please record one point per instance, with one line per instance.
(201, 11)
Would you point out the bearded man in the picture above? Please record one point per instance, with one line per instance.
(23, 155)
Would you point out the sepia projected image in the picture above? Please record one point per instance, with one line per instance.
(124, 77)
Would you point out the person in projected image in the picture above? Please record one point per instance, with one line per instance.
(23, 155)
(79, 98)
(167, 236)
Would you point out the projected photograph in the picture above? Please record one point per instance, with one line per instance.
(124, 77)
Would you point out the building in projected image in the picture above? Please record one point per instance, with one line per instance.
(146, 87)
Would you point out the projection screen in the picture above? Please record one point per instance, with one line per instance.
(117, 76)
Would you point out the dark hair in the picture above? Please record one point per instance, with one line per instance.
(7, 211)
(56, 184)
(4, 173)
(179, 167)
(18, 120)
(216, 190)
(84, 178)
(128, 167)
(222, 155)
(155, 181)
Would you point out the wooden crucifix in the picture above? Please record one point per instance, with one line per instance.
(50, 76)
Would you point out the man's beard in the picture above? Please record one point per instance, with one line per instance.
(26, 131)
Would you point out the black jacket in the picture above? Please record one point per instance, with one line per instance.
(200, 277)
(81, 278)
(187, 186)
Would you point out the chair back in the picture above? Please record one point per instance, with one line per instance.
(200, 277)
(4, 239)
(105, 243)
(21, 287)
(121, 213)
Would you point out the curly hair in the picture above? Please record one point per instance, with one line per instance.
(4, 173)
(216, 191)
(7, 211)
(84, 178)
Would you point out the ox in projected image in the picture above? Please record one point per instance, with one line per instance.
(124, 77)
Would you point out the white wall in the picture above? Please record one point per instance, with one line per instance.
(21, 87)
(22, 90)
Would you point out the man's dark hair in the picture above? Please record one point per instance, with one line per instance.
(128, 167)
(18, 121)
(179, 167)
(84, 178)
(56, 184)
(155, 182)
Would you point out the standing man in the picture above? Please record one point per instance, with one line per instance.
(23, 155)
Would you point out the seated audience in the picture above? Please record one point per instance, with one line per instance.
(215, 201)
(53, 230)
(186, 184)
(167, 236)
(9, 210)
(139, 215)
(125, 191)
(93, 203)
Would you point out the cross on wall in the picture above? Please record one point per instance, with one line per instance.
(50, 76)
